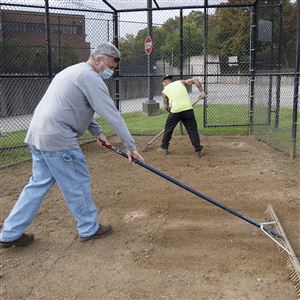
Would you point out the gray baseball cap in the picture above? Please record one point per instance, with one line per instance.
(107, 49)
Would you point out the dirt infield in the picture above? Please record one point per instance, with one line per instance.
(167, 243)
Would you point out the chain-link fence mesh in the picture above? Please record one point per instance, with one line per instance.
(227, 53)
(189, 39)
(275, 74)
(273, 120)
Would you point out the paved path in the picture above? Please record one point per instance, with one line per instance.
(217, 93)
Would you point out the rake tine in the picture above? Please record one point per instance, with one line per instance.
(287, 252)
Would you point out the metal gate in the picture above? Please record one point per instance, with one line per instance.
(227, 65)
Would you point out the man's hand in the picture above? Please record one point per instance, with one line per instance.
(102, 137)
(134, 154)
(202, 95)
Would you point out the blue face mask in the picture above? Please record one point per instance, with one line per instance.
(107, 73)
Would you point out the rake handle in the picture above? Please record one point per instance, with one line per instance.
(149, 143)
(193, 191)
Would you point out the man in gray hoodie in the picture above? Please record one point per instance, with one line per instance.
(64, 113)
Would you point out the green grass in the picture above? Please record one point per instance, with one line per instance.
(12, 156)
(13, 139)
(140, 124)
(279, 138)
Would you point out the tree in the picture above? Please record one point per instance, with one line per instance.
(228, 35)
(17, 58)
(289, 33)
(166, 39)
(267, 52)
(229, 31)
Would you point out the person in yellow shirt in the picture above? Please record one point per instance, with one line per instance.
(178, 103)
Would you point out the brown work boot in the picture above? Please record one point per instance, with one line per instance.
(22, 241)
(101, 232)
(162, 151)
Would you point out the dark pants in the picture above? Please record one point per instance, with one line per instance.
(188, 119)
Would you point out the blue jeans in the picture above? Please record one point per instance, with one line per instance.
(69, 170)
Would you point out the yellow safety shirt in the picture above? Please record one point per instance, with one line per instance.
(177, 94)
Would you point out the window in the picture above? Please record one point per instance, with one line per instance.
(40, 28)
(23, 27)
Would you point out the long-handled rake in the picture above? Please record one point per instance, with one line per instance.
(162, 132)
(282, 242)
(262, 226)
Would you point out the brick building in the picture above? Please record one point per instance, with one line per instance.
(23, 41)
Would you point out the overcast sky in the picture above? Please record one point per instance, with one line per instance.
(97, 30)
(130, 23)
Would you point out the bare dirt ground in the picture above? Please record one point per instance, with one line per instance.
(167, 243)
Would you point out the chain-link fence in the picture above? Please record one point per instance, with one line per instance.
(273, 120)
(243, 52)
(276, 118)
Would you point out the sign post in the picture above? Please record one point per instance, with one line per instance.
(150, 107)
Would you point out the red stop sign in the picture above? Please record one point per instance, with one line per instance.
(148, 45)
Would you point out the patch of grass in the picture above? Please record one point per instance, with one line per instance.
(140, 124)
(278, 137)
(11, 156)
(13, 139)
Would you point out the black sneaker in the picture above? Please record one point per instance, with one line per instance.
(198, 153)
(22, 241)
(101, 232)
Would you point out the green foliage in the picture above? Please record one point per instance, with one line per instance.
(289, 27)
(229, 31)
(264, 49)
(33, 59)
(166, 39)
(193, 41)
(64, 57)
(229, 34)
(21, 58)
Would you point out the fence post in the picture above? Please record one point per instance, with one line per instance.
(48, 40)
(149, 57)
(181, 44)
(117, 72)
(205, 62)
(253, 37)
(278, 69)
(296, 85)
(181, 55)
(272, 69)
